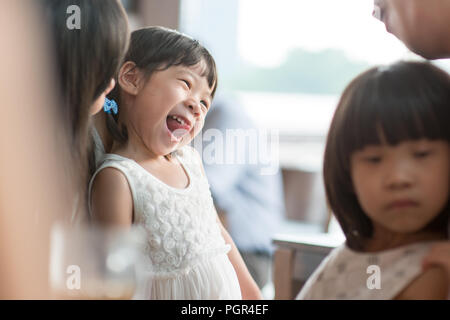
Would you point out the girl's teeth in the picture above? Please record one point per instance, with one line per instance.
(178, 119)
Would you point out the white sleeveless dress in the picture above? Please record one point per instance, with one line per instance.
(348, 274)
(187, 255)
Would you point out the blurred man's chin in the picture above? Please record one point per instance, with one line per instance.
(430, 54)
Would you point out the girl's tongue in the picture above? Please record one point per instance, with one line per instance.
(176, 128)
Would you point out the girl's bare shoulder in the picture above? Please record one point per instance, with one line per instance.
(111, 199)
(432, 284)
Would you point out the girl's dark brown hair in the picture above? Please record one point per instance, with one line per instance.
(405, 101)
(156, 49)
(86, 60)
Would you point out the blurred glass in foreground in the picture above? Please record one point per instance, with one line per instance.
(93, 262)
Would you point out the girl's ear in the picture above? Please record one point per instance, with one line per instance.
(129, 78)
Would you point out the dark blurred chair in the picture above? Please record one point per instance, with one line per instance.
(304, 195)
(303, 241)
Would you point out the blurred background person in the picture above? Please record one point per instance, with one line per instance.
(33, 191)
(46, 140)
(249, 203)
(423, 26)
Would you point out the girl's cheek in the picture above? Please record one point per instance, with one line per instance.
(198, 126)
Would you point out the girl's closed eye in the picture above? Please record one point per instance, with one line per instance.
(186, 82)
(370, 155)
(372, 159)
(205, 104)
(422, 153)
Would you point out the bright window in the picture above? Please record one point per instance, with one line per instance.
(293, 55)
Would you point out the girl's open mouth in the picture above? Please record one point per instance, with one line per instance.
(177, 127)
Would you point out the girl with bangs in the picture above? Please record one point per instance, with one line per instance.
(386, 174)
(153, 179)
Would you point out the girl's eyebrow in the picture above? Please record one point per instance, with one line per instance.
(186, 70)
(371, 148)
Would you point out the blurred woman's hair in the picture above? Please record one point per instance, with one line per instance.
(403, 101)
(86, 60)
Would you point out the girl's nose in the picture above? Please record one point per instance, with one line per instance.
(193, 105)
(398, 177)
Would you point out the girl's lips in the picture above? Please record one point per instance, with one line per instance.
(402, 203)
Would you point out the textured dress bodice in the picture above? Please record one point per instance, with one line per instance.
(348, 274)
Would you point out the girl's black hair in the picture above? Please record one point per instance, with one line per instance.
(157, 49)
(86, 59)
(407, 101)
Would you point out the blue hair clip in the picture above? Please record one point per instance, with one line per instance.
(110, 105)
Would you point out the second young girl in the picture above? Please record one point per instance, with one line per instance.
(153, 179)
(386, 172)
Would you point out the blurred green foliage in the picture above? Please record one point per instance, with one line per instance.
(324, 72)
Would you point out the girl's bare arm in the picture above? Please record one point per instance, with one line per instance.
(249, 288)
(432, 284)
(111, 200)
